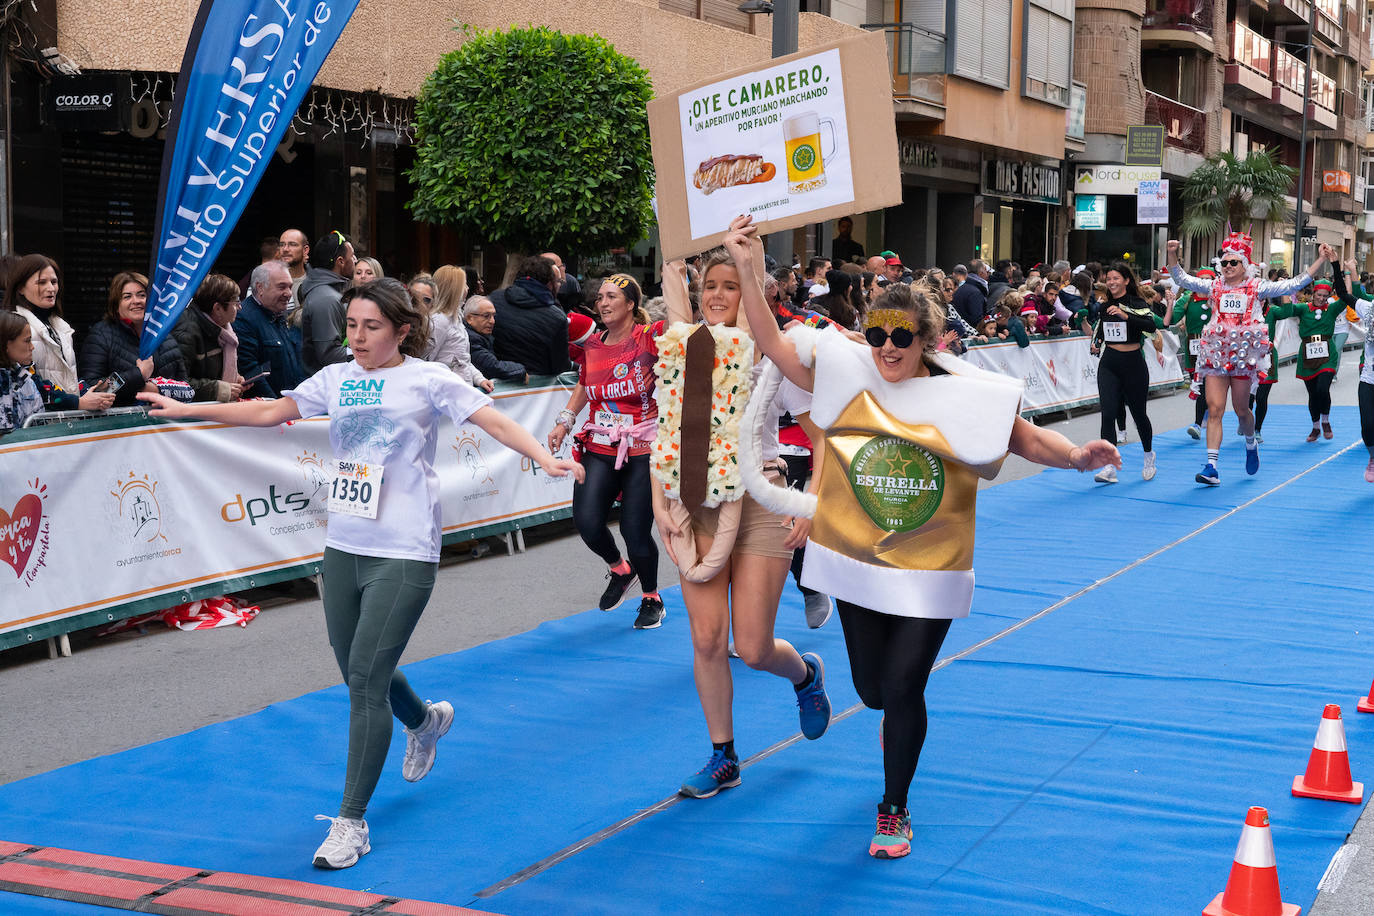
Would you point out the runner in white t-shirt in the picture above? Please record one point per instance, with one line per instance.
(382, 548)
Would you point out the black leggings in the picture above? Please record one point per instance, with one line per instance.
(890, 658)
(1319, 394)
(1367, 413)
(1261, 405)
(592, 503)
(1124, 378)
(797, 476)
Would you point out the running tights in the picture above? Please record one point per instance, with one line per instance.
(1261, 405)
(1124, 378)
(890, 658)
(592, 503)
(371, 606)
(798, 474)
(1367, 413)
(1319, 394)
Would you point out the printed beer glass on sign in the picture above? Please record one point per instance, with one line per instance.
(805, 162)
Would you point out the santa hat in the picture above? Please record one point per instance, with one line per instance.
(580, 327)
(1238, 243)
(1029, 307)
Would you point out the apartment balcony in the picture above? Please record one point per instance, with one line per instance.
(1177, 23)
(1328, 21)
(1185, 127)
(1290, 75)
(1321, 107)
(1337, 204)
(1351, 118)
(1248, 71)
(918, 65)
(1288, 12)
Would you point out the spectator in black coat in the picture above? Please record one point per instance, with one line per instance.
(206, 337)
(112, 343)
(268, 343)
(479, 317)
(971, 298)
(530, 327)
(321, 298)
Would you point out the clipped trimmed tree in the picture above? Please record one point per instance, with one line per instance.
(536, 140)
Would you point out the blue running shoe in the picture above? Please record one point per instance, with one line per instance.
(1252, 459)
(1208, 475)
(720, 772)
(812, 703)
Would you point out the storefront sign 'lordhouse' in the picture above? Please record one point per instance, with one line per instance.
(775, 142)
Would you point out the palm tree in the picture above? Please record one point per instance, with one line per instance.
(1227, 189)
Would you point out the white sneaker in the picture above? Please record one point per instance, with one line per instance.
(1121, 437)
(1195, 431)
(421, 743)
(346, 843)
(818, 609)
(1147, 471)
(1106, 475)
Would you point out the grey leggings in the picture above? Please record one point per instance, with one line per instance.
(371, 606)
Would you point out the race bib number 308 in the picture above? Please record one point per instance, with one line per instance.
(1231, 304)
(356, 489)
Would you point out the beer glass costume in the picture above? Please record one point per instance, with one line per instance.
(1236, 341)
(893, 524)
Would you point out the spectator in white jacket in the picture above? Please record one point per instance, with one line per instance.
(448, 338)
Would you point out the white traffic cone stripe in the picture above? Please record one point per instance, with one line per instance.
(1256, 848)
(1330, 737)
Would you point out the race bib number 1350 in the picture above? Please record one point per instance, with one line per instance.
(356, 489)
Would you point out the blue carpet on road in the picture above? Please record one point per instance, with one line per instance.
(1099, 760)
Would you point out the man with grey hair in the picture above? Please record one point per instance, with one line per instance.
(270, 357)
(479, 317)
(971, 298)
(1061, 272)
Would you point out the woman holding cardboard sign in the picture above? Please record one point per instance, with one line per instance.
(382, 547)
(892, 532)
(734, 555)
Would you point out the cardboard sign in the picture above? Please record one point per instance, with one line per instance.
(775, 141)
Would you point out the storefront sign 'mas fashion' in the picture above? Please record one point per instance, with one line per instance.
(1022, 180)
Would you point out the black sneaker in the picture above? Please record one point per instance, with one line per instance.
(616, 590)
(651, 614)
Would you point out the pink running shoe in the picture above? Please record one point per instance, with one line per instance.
(1369, 471)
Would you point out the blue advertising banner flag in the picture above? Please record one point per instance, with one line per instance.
(247, 68)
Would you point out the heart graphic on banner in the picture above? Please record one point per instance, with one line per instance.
(19, 530)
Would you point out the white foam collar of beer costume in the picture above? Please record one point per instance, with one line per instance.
(974, 409)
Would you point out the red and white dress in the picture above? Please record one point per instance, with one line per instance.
(1235, 342)
(619, 380)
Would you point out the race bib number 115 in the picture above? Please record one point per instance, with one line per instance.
(356, 488)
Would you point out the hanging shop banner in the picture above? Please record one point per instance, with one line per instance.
(131, 518)
(1112, 179)
(1017, 180)
(776, 142)
(1152, 203)
(248, 66)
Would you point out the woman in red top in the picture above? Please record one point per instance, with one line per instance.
(616, 378)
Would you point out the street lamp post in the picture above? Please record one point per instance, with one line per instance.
(1302, 139)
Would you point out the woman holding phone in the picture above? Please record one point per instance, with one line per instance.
(382, 548)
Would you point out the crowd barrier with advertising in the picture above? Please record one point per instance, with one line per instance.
(113, 517)
(1061, 372)
(110, 517)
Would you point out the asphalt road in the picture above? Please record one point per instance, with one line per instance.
(128, 690)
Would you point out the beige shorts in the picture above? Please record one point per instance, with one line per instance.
(761, 532)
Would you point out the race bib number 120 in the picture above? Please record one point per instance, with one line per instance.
(356, 488)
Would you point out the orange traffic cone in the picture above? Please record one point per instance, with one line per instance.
(1328, 769)
(1253, 888)
(1367, 704)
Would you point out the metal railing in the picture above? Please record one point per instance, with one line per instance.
(1187, 15)
(1324, 91)
(1252, 50)
(1185, 127)
(917, 58)
(1289, 71)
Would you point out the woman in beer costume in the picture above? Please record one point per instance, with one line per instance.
(907, 432)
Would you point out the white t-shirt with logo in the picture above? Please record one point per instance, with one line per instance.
(389, 417)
